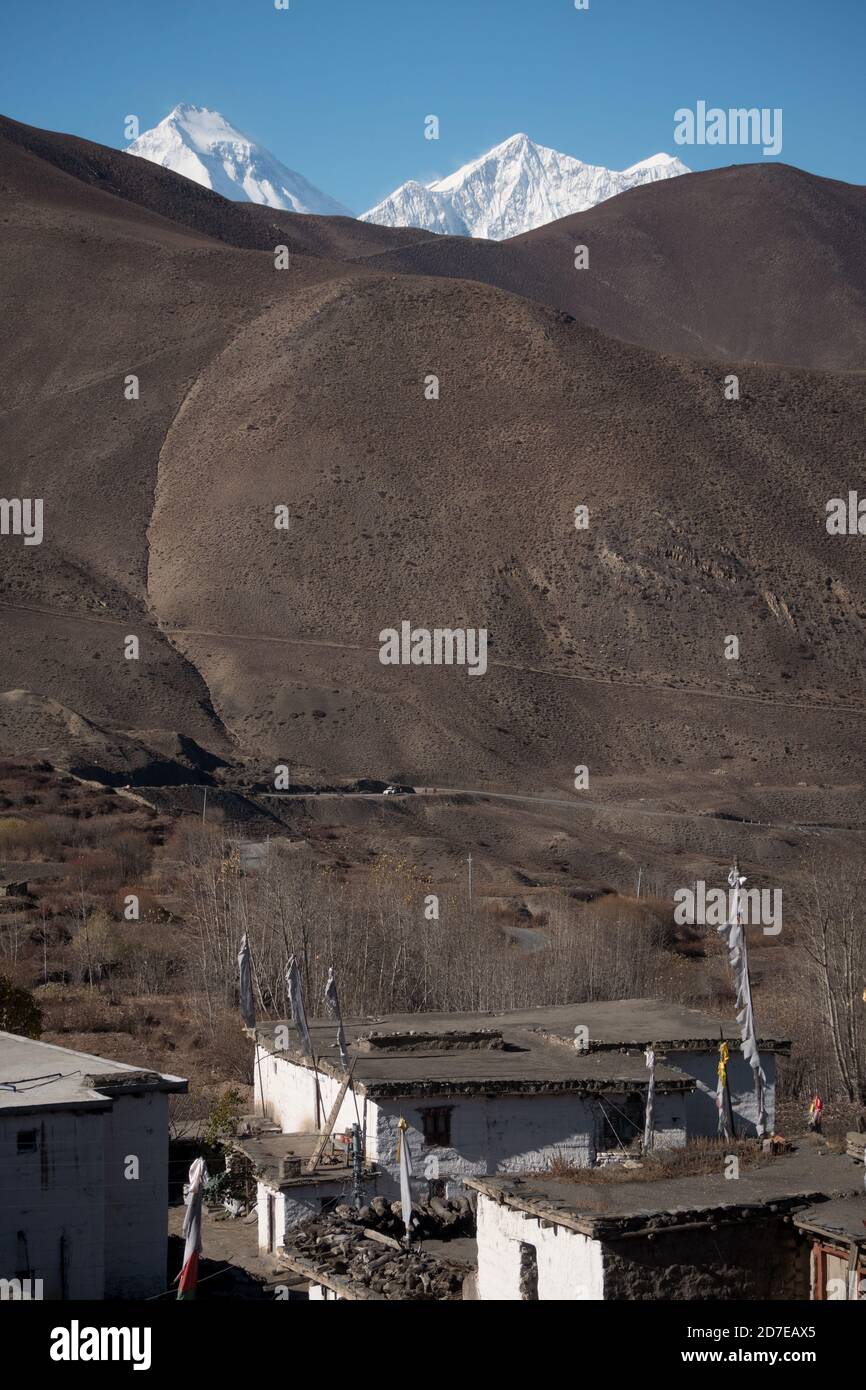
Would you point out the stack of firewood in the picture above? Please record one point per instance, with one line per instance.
(367, 1249)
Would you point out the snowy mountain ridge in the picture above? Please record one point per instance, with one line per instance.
(204, 147)
(511, 189)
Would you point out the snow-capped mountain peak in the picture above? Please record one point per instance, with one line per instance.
(667, 164)
(204, 147)
(512, 188)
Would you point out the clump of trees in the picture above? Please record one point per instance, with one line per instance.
(398, 947)
(19, 1012)
(393, 954)
(831, 934)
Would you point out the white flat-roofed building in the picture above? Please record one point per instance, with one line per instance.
(704, 1236)
(509, 1092)
(84, 1159)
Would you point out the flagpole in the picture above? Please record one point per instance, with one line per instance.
(405, 1166)
(255, 976)
(303, 1028)
(649, 1117)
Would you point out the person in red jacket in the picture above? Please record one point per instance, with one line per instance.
(816, 1114)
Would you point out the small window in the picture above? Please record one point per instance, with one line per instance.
(437, 1127)
(620, 1121)
(28, 1141)
(528, 1272)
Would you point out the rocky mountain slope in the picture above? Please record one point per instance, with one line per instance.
(306, 389)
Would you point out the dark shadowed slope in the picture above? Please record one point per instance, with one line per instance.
(98, 288)
(761, 262)
(754, 262)
(150, 189)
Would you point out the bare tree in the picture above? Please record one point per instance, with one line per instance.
(390, 953)
(832, 935)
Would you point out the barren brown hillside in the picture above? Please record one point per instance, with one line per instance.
(757, 262)
(306, 388)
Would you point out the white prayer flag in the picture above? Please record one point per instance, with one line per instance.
(734, 934)
(405, 1175)
(296, 1002)
(650, 1056)
(245, 977)
(332, 1004)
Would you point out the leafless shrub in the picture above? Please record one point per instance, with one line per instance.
(133, 854)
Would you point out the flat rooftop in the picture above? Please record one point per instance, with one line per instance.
(521, 1050)
(267, 1151)
(41, 1076)
(609, 1210)
(844, 1218)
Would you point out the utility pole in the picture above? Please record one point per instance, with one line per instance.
(357, 1167)
(639, 877)
(469, 862)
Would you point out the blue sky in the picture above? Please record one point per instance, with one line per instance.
(339, 89)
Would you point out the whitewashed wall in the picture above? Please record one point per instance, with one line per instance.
(702, 1117)
(508, 1134)
(76, 1207)
(570, 1265)
(503, 1134)
(286, 1092)
(136, 1209)
(52, 1193)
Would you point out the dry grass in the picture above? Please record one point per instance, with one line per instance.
(698, 1156)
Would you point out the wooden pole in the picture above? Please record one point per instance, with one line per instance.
(320, 1109)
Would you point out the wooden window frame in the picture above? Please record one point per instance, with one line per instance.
(436, 1131)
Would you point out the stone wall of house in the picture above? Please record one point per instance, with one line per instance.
(755, 1259)
(567, 1265)
(764, 1259)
